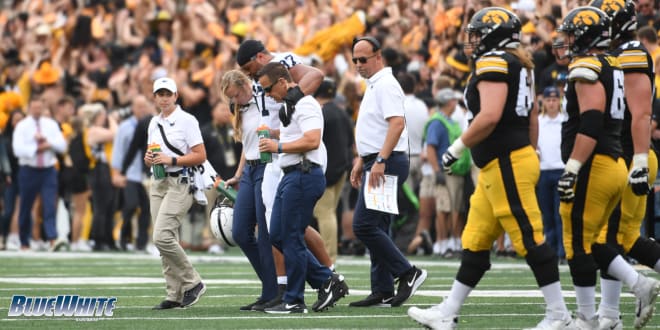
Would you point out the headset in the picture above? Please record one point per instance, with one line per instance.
(375, 44)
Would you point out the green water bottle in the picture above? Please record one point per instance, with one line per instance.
(157, 169)
(228, 191)
(264, 133)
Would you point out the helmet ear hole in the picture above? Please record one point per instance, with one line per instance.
(496, 28)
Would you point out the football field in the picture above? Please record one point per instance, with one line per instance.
(507, 297)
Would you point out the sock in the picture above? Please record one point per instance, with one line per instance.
(620, 269)
(554, 300)
(332, 267)
(457, 295)
(610, 294)
(585, 298)
(281, 280)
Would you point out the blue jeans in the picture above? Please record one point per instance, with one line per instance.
(548, 196)
(33, 181)
(249, 211)
(293, 209)
(372, 228)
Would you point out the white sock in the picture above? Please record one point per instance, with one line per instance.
(281, 280)
(332, 267)
(553, 297)
(457, 295)
(585, 298)
(622, 270)
(657, 267)
(610, 294)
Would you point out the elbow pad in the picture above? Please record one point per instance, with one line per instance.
(591, 123)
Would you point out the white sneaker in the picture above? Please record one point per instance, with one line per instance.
(608, 323)
(582, 323)
(13, 243)
(646, 290)
(61, 244)
(216, 249)
(81, 246)
(555, 321)
(437, 248)
(436, 317)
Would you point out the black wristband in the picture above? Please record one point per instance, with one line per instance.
(173, 161)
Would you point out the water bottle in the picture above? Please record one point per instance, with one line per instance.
(157, 169)
(228, 191)
(264, 133)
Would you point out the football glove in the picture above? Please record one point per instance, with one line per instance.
(452, 154)
(565, 187)
(440, 178)
(566, 184)
(638, 178)
(286, 112)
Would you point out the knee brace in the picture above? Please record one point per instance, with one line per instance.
(543, 262)
(603, 255)
(646, 251)
(473, 267)
(583, 270)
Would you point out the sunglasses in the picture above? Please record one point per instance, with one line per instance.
(362, 59)
(270, 88)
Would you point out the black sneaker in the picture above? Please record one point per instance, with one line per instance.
(286, 308)
(377, 299)
(332, 290)
(408, 284)
(273, 302)
(166, 304)
(427, 243)
(190, 297)
(250, 307)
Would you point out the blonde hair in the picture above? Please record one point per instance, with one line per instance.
(238, 79)
(89, 112)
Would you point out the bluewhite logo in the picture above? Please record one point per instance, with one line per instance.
(62, 305)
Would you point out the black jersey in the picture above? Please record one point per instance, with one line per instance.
(512, 131)
(606, 69)
(633, 57)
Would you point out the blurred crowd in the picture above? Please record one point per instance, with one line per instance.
(94, 62)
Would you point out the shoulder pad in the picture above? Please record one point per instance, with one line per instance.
(584, 68)
(491, 63)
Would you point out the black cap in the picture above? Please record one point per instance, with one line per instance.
(326, 90)
(248, 49)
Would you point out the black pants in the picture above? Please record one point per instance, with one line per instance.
(135, 196)
(103, 206)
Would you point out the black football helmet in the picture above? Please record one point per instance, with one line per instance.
(622, 14)
(496, 27)
(591, 28)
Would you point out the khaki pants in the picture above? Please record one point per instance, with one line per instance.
(325, 213)
(170, 202)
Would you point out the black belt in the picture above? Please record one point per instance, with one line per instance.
(370, 157)
(174, 174)
(253, 162)
(300, 166)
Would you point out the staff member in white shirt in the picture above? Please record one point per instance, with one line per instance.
(35, 141)
(302, 155)
(381, 111)
(170, 197)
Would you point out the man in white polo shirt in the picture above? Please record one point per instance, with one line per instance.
(381, 111)
(178, 134)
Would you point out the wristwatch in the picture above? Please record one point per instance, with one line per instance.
(380, 159)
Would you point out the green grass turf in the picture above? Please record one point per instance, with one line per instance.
(506, 298)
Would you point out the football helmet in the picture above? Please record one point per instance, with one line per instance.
(590, 28)
(221, 222)
(622, 14)
(495, 28)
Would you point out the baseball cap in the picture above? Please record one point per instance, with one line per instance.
(551, 91)
(445, 95)
(248, 49)
(327, 89)
(165, 83)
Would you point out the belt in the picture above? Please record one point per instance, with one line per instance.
(370, 157)
(253, 162)
(174, 174)
(299, 166)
